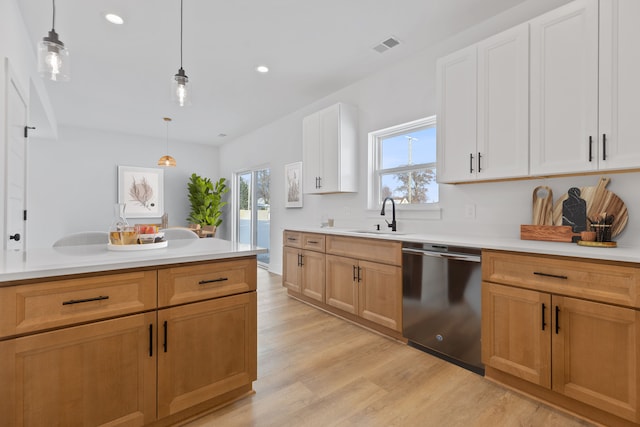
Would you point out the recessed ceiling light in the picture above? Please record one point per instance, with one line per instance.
(262, 69)
(113, 18)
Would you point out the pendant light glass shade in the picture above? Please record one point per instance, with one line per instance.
(180, 89)
(53, 57)
(167, 160)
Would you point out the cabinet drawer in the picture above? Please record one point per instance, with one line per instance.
(314, 242)
(38, 306)
(179, 285)
(384, 251)
(293, 239)
(615, 283)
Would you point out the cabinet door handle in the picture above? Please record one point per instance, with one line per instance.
(557, 276)
(479, 158)
(354, 273)
(219, 279)
(319, 182)
(557, 316)
(80, 301)
(470, 162)
(604, 146)
(359, 276)
(590, 148)
(151, 340)
(164, 345)
(543, 322)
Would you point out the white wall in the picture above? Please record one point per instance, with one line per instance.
(72, 181)
(396, 95)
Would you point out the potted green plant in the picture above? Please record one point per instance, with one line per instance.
(205, 197)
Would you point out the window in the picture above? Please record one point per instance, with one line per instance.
(403, 164)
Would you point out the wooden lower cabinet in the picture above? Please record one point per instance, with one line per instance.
(583, 350)
(304, 272)
(102, 373)
(205, 349)
(370, 290)
(291, 274)
(515, 335)
(596, 354)
(153, 366)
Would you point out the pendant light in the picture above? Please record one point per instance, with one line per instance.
(180, 84)
(167, 160)
(53, 57)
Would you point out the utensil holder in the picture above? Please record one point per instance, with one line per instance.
(603, 232)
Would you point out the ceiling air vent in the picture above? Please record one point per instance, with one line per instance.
(386, 45)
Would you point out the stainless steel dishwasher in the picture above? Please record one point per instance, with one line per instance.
(441, 301)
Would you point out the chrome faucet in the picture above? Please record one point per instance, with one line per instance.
(391, 224)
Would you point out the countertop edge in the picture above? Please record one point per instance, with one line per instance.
(620, 254)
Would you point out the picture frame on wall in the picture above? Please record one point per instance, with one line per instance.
(293, 185)
(142, 190)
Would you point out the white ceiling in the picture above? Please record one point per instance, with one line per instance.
(120, 75)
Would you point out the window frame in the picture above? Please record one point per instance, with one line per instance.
(373, 184)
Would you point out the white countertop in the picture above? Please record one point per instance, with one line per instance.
(48, 262)
(620, 253)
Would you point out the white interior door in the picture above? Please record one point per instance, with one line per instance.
(16, 166)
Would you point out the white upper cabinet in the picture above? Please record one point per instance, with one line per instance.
(503, 105)
(619, 132)
(564, 89)
(483, 109)
(585, 87)
(329, 145)
(456, 100)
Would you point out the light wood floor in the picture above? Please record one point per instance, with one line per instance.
(318, 370)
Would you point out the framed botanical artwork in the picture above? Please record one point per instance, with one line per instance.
(142, 190)
(293, 185)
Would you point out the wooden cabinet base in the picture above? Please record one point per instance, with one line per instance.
(205, 408)
(555, 400)
(348, 316)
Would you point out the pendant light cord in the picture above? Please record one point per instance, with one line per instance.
(53, 22)
(180, 33)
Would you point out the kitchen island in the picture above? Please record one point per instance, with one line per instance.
(90, 336)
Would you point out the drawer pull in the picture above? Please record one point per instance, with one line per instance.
(557, 276)
(291, 239)
(164, 345)
(220, 279)
(314, 242)
(79, 301)
(543, 322)
(151, 340)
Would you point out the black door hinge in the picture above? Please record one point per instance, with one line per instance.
(26, 130)
(24, 215)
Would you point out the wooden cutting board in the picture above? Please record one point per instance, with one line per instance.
(599, 200)
(542, 206)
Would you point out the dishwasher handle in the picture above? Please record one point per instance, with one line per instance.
(446, 255)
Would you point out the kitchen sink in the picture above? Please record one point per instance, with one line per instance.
(377, 232)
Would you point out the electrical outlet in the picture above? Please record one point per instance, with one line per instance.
(470, 211)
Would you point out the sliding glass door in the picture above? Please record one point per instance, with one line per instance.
(252, 206)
